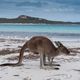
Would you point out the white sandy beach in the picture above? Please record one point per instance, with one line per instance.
(69, 69)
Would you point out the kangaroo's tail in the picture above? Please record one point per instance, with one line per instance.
(22, 52)
(9, 64)
(20, 57)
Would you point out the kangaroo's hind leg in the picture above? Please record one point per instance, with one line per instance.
(42, 60)
(51, 62)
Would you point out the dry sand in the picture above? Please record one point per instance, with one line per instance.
(30, 70)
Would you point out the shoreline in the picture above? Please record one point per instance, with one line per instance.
(37, 24)
(28, 35)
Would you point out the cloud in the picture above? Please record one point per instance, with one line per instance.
(54, 5)
(75, 4)
(68, 2)
(32, 4)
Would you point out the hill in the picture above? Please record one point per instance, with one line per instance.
(34, 20)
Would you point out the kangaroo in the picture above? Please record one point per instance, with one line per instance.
(43, 46)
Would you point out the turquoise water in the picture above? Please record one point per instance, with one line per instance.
(57, 32)
(40, 28)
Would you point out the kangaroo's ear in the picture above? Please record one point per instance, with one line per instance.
(58, 43)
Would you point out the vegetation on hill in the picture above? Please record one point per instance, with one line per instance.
(28, 19)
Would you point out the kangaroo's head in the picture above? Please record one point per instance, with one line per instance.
(61, 48)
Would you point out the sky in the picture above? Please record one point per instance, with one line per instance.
(56, 10)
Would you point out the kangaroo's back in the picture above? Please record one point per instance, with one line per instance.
(41, 42)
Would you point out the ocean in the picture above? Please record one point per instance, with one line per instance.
(57, 31)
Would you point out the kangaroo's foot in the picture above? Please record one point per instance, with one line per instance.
(19, 64)
(55, 64)
(50, 64)
(49, 67)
